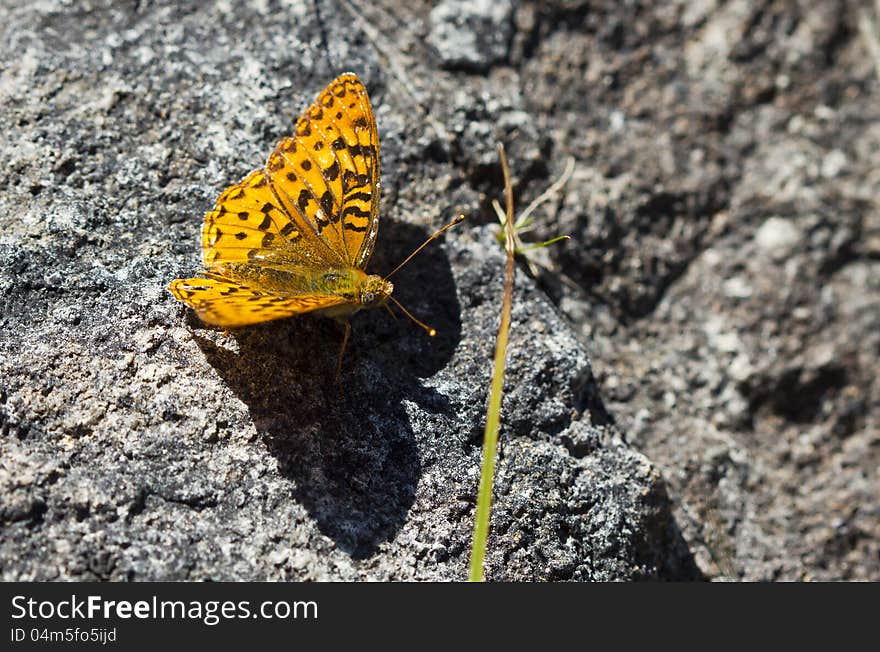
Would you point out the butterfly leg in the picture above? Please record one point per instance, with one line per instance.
(347, 325)
(390, 311)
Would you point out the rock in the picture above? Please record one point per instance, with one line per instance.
(746, 317)
(777, 236)
(722, 272)
(139, 445)
(471, 34)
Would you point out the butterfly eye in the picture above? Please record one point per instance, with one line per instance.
(368, 297)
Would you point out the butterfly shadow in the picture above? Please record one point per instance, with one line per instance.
(347, 444)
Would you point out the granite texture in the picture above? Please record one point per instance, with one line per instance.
(691, 388)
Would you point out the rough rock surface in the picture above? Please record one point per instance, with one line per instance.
(722, 274)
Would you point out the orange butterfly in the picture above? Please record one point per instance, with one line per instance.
(295, 236)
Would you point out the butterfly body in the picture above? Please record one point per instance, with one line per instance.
(295, 236)
(359, 289)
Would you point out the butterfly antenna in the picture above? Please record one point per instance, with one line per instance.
(432, 332)
(437, 234)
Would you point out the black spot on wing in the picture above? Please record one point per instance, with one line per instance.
(332, 172)
(354, 210)
(327, 205)
(304, 198)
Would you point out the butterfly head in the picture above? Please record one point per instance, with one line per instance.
(374, 291)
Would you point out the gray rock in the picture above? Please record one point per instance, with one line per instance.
(139, 445)
(730, 229)
(777, 236)
(471, 34)
(722, 270)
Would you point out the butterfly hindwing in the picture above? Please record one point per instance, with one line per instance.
(249, 220)
(229, 304)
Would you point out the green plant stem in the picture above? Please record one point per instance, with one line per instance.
(493, 412)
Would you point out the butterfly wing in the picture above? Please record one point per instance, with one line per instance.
(224, 302)
(327, 173)
(250, 226)
(317, 200)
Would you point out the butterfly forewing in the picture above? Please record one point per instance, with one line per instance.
(328, 171)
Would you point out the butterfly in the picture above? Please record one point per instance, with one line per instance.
(295, 236)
